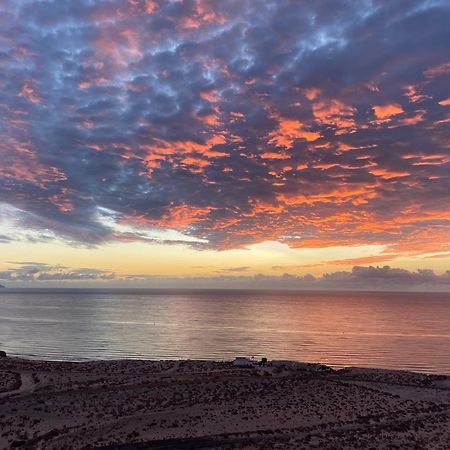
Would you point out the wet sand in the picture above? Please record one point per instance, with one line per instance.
(204, 404)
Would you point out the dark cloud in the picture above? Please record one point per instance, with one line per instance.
(315, 123)
(76, 275)
(235, 269)
(5, 239)
(359, 278)
(382, 278)
(30, 272)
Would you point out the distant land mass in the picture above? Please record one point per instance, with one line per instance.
(1, 286)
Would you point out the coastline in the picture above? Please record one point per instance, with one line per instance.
(131, 404)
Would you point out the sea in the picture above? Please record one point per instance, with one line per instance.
(393, 330)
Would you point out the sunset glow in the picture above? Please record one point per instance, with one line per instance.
(207, 138)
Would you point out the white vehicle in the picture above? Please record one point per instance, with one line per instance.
(243, 362)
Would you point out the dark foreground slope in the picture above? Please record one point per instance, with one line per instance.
(194, 404)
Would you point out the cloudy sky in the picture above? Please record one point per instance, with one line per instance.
(220, 140)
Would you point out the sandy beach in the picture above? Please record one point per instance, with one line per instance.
(204, 404)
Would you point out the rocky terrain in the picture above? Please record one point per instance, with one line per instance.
(199, 404)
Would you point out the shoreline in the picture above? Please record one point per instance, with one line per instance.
(132, 404)
(335, 367)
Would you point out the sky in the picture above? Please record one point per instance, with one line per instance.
(225, 143)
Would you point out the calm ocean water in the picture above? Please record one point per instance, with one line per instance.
(392, 330)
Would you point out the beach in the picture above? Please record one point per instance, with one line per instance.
(137, 404)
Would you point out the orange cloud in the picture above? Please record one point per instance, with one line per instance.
(203, 14)
(62, 202)
(272, 155)
(335, 112)
(210, 96)
(118, 46)
(387, 174)
(436, 71)
(19, 163)
(413, 95)
(195, 162)
(413, 120)
(311, 93)
(96, 81)
(237, 115)
(362, 260)
(288, 130)
(186, 147)
(337, 195)
(178, 217)
(28, 92)
(386, 111)
(150, 6)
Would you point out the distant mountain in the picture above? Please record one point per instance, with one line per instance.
(1, 286)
